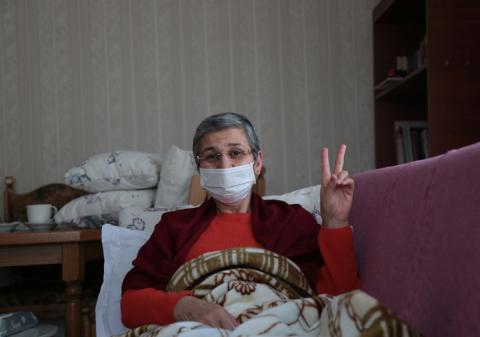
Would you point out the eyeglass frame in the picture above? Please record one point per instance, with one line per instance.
(219, 155)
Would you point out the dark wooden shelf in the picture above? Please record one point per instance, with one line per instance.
(412, 87)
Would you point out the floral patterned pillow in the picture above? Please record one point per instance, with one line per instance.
(118, 170)
(94, 210)
(144, 219)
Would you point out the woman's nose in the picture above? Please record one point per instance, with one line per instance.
(225, 162)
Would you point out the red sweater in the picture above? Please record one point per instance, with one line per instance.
(288, 230)
(337, 275)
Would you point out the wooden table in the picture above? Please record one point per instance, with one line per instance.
(70, 248)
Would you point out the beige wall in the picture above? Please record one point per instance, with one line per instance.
(83, 77)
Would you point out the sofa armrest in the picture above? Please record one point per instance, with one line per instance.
(417, 235)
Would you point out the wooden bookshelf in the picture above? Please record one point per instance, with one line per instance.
(444, 89)
(411, 87)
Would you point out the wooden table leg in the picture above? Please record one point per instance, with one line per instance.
(73, 273)
(73, 295)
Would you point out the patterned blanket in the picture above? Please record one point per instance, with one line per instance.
(269, 296)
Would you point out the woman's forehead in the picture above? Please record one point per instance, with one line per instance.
(224, 138)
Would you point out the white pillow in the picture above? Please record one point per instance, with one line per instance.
(119, 170)
(308, 198)
(120, 247)
(177, 170)
(93, 210)
(143, 219)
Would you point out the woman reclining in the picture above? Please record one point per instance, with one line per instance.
(228, 155)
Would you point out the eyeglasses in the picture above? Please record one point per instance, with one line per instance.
(236, 156)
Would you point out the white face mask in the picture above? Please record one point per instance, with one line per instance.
(228, 185)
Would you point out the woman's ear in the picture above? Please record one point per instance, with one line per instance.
(258, 164)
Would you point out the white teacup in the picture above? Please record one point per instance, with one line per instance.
(40, 214)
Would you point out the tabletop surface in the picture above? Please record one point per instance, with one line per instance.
(49, 237)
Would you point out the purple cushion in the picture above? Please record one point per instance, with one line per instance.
(417, 238)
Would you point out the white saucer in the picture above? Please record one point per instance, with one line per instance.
(15, 226)
(6, 227)
(41, 226)
(40, 330)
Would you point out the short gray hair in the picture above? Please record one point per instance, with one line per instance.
(222, 121)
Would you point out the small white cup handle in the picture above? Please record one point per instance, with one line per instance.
(55, 211)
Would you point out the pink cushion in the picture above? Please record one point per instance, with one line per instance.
(417, 236)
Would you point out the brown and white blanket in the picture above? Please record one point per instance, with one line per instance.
(269, 296)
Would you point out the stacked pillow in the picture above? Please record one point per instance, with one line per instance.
(178, 167)
(116, 180)
(118, 170)
(174, 185)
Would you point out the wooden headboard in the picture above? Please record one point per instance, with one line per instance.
(15, 205)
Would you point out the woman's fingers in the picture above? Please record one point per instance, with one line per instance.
(191, 308)
(220, 319)
(340, 159)
(326, 172)
(342, 176)
(228, 322)
(325, 167)
(346, 182)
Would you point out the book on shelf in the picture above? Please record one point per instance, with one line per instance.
(411, 139)
(416, 60)
(401, 65)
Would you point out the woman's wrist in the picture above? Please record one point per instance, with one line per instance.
(179, 309)
(332, 224)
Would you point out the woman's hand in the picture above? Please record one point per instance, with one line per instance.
(190, 308)
(336, 194)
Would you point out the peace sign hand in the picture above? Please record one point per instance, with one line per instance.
(336, 194)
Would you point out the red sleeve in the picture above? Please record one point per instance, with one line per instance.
(339, 273)
(149, 306)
